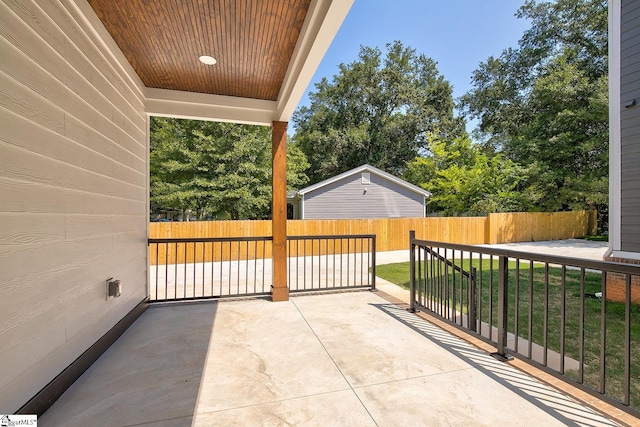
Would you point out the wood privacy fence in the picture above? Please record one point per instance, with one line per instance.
(392, 233)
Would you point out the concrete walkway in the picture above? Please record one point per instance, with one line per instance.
(573, 248)
(319, 360)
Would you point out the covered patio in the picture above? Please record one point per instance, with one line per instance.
(349, 358)
(80, 81)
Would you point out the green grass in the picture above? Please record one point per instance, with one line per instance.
(615, 315)
(597, 238)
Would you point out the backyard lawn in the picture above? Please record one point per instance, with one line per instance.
(534, 297)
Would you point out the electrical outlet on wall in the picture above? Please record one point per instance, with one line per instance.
(114, 288)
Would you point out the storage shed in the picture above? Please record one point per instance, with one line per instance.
(363, 192)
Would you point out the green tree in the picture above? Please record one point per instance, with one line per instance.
(216, 169)
(172, 154)
(463, 179)
(379, 110)
(544, 105)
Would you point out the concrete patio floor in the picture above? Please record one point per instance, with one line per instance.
(336, 359)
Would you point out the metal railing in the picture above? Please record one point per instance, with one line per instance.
(187, 269)
(331, 262)
(553, 312)
(202, 268)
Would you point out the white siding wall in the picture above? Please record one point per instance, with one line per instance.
(73, 190)
(349, 198)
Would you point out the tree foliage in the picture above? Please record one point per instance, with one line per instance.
(463, 179)
(544, 105)
(219, 170)
(379, 110)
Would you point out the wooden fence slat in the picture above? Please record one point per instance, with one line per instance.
(392, 233)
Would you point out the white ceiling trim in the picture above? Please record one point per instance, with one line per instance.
(201, 106)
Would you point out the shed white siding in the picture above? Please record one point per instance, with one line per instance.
(349, 197)
(630, 127)
(73, 190)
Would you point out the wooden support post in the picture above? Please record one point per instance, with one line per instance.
(279, 289)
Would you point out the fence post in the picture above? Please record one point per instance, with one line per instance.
(472, 299)
(373, 261)
(503, 283)
(412, 271)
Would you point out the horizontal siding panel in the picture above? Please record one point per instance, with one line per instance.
(629, 85)
(631, 157)
(89, 40)
(39, 22)
(630, 13)
(28, 136)
(50, 255)
(631, 113)
(54, 300)
(630, 150)
(27, 348)
(79, 226)
(24, 165)
(630, 247)
(129, 241)
(629, 241)
(86, 60)
(629, 213)
(630, 22)
(631, 201)
(631, 220)
(135, 123)
(630, 177)
(58, 293)
(628, 62)
(96, 141)
(629, 6)
(48, 290)
(24, 102)
(25, 228)
(628, 93)
(38, 374)
(629, 47)
(21, 68)
(628, 80)
(31, 45)
(137, 128)
(133, 277)
(630, 127)
(24, 196)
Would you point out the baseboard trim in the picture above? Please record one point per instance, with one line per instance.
(46, 397)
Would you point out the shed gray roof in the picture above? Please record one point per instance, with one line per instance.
(370, 169)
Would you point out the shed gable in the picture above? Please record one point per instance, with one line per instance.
(352, 197)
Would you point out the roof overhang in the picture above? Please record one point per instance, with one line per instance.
(321, 22)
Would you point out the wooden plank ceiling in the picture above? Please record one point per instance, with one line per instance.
(252, 40)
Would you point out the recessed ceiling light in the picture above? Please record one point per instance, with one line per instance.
(209, 60)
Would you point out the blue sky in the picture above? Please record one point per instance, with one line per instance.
(458, 34)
